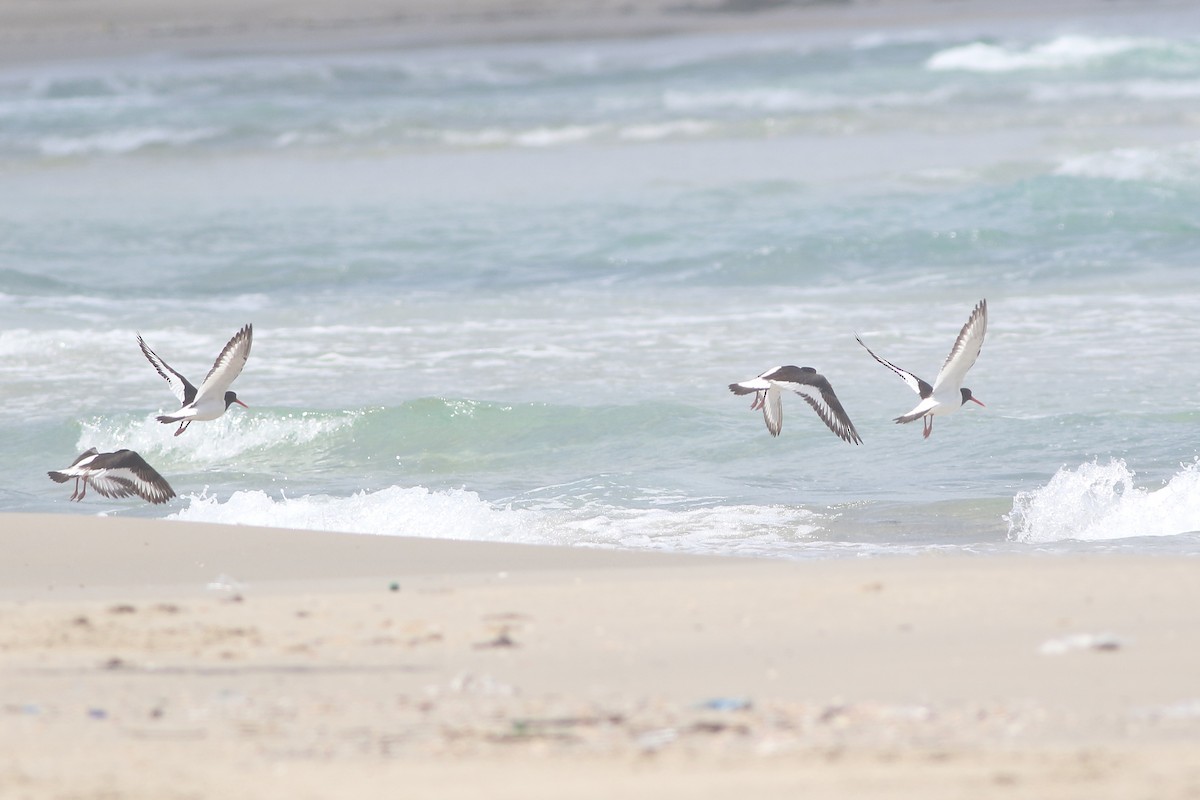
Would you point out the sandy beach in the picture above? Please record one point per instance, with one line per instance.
(163, 660)
(146, 659)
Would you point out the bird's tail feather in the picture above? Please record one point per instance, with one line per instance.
(58, 477)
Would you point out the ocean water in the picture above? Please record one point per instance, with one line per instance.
(498, 291)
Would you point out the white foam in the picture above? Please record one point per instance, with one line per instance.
(1063, 52)
(221, 441)
(462, 514)
(31, 346)
(1098, 502)
(878, 39)
(397, 511)
(744, 530)
(663, 130)
(757, 99)
(794, 101)
(533, 137)
(572, 134)
(120, 142)
(550, 137)
(1177, 163)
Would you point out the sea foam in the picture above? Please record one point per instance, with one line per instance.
(545, 136)
(463, 514)
(1098, 502)
(120, 142)
(397, 511)
(1175, 164)
(231, 439)
(1063, 52)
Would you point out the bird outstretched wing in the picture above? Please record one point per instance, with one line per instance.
(916, 384)
(126, 473)
(229, 364)
(180, 386)
(965, 350)
(818, 393)
(809, 384)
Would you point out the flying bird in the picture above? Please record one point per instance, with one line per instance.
(118, 474)
(947, 394)
(806, 382)
(213, 397)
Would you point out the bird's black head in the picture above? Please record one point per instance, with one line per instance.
(966, 395)
(231, 398)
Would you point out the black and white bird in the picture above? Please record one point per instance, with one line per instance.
(118, 474)
(213, 397)
(947, 394)
(806, 382)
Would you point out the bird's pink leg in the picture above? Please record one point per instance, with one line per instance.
(928, 426)
(75, 494)
(183, 427)
(84, 492)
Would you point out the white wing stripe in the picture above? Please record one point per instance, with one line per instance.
(227, 366)
(119, 474)
(835, 418)
(773, 410)
(809, 384)
(130, 482)
(965, 350)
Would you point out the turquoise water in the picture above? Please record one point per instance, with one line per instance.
(499, 291)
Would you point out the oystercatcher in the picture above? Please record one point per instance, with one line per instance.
(947, 394)
(118, 474)
(212, 398)
(806, 382)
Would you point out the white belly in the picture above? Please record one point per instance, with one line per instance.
(202, 411)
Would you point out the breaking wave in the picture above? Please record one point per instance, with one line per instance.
(1099, 502)
(1063, 52)
(121, 142)
(462, 514)
(234, 438)
(1176, 164)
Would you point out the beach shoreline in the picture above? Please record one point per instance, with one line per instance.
(309, 664)
(148, 659)
(34, 32)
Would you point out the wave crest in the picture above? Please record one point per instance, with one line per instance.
(123, 141)
(1098, 502)
(396, 511)
(232, 438)
(1063, 52)
(462, 514)
(1176, 164)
